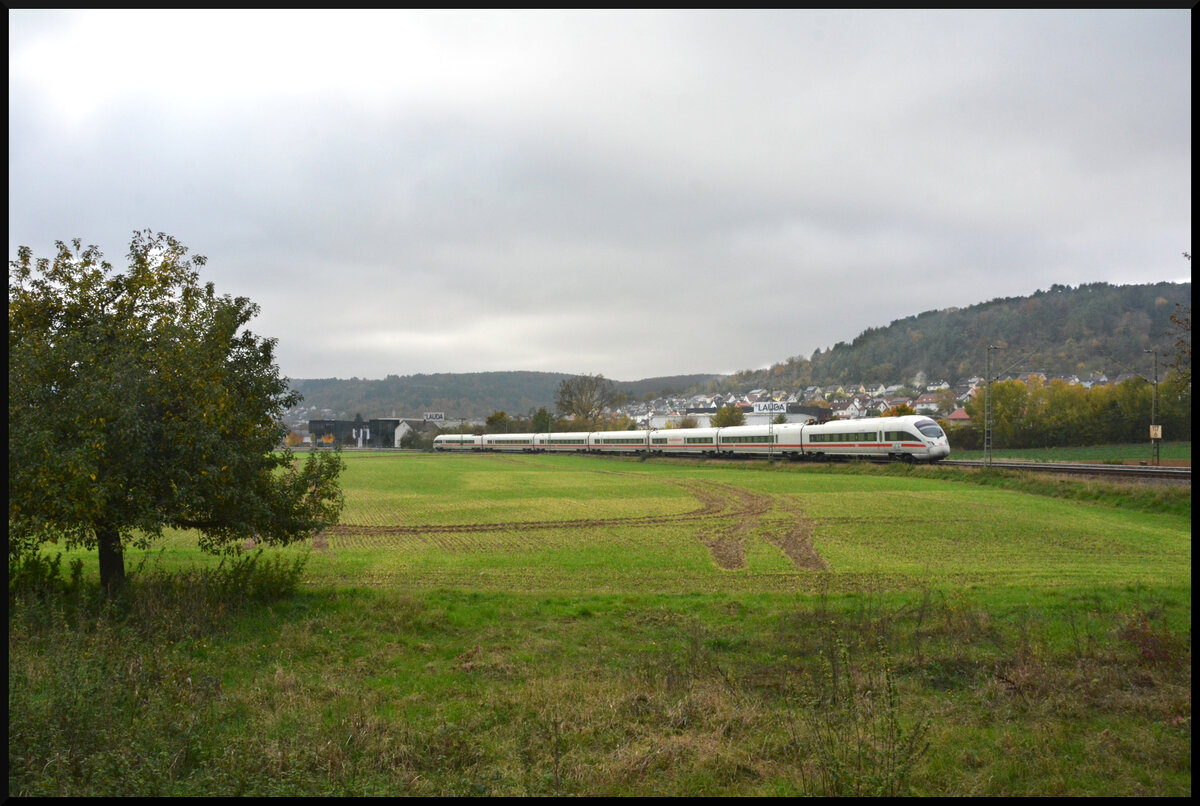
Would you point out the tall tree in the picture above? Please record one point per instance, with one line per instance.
(138, 401)
(542, 422)
(727, 416)
(586, 398)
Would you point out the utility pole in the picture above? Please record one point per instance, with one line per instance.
(1155, 428)
(987, 409)
(771, 441)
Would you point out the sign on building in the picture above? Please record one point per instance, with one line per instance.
(770, 407)
(435, 415)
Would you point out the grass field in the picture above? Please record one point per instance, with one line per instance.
(514, 625)
(1168, 452)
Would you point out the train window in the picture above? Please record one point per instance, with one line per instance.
(930, 429)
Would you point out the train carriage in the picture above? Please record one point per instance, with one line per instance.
(457, 442)
(509, 442)
(684, 441)
(619, 441)
(909, 438)
(762, 440)
(562, 442)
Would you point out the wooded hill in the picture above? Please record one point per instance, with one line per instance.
(465, 394)
(1064, 331)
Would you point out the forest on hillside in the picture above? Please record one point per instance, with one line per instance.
(1096, 327)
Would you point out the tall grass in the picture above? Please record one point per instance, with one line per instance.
(379, 693)
(100, 700)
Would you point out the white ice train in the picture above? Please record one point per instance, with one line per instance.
(910, 438)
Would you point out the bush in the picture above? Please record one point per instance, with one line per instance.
(35, 576)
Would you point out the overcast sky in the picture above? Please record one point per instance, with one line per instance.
(630, 193)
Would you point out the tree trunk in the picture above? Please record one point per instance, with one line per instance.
(112, 560)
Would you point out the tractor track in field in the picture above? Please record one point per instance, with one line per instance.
(729, 516)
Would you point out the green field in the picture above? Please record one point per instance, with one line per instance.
(515, 625)
(1171, 452)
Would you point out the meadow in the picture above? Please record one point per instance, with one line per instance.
(1171, 453)
(542, 625)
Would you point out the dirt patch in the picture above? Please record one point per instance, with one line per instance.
(796, 541)
(727, 542)
(728, 551)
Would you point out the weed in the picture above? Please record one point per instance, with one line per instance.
(855, 744)
(1155, 644)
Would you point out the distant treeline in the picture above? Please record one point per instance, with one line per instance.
(467, 394)
(1035, 414)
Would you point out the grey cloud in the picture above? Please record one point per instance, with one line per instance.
(640, 193)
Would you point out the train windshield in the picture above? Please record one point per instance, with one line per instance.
(930, 429)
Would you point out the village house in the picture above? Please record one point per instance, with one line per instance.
(926, 404)
(959, 417)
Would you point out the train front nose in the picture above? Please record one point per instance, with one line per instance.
(940, 451)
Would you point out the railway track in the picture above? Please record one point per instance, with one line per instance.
(1077, 469)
